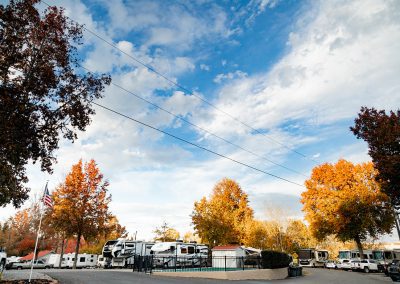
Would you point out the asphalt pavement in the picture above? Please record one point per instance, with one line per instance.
(122, 276)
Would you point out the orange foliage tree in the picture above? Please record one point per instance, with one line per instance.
(223, 217)
(81, 202)
(344, 199)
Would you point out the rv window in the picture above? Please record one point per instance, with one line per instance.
(91, 260)
(82, 259)
(172, 248)
(73, 258)
(184, 250)
(197, 251)
(388, 254)
(190, 249)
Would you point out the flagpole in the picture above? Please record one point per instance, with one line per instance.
(38, 231)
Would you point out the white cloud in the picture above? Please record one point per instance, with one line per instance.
(319, 73)
(229, 76)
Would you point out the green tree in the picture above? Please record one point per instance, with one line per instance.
(43, 92)
(344, 199)
(223, 217)
(82, 203)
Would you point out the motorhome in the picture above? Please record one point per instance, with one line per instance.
(385, 257)
(124, 252)
(313, 257)
(178, 253)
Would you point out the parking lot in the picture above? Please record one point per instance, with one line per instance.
(99, 276)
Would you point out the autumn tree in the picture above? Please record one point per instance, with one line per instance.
(382, 133)
(222, 218)
(297, 236)
(82, 202)
(257, 235)
(344, 199)
(165, 233)
(43, 93)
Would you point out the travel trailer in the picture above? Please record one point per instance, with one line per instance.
(84, 260)
(173, 254)
(313, 257)
(384, 257)
(124, 252)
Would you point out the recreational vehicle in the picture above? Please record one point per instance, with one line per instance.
(313, 257)
(84, 260)
(384, 258)
(173, 254)
(124, 252)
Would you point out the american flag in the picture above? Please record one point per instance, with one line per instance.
(47, 200)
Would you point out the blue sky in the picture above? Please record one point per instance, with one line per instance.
(296, 71)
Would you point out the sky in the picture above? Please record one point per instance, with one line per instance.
(281, 81)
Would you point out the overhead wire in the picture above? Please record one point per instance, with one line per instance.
(150, 68)
(199, 127)
(194, 144)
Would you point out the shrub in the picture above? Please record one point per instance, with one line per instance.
(274, 259)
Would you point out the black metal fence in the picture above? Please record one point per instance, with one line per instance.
(152, 263)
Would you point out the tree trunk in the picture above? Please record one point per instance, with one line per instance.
(359, 246)
(62, 252)
(78, 241)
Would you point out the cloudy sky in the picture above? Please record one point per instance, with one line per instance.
(272, 84)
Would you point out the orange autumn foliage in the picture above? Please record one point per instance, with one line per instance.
(344, 199)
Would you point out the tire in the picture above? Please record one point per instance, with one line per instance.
(366, 269)
(394, 278)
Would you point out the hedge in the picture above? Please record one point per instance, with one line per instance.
(274, 259)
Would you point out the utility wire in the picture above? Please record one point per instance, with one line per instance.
(194, 144)
(189, 91)
(199, 127)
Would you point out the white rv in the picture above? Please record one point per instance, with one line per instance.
(173, 254)
(84, 260)
(313, 257)
(3, 259)
(124, 252)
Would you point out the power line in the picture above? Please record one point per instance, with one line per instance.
(189, 91)
(194, 144)
(199, 127)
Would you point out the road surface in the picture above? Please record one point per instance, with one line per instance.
(122, 276)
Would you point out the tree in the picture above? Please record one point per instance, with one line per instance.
(382, 133)
(344, 199)
(43, 93)
(257, 235)
(82, 202)
(297, 236)
(222, 219)
(165, 233)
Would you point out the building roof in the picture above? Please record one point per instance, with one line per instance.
(227, 247)
(40, 254)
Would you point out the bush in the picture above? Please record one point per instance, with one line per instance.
(274, 259)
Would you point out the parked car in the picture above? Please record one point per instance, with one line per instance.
(368, 265)
(331, 264)
(394, 270)
(39, 264)
(345, 265)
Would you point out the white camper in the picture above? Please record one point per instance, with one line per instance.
(313, 257)
(124, 252)
(84, 260)
(172, 254)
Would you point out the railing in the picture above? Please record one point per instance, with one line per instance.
(153, 263)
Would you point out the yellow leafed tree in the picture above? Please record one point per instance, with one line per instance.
(223, 217)
(344, 199)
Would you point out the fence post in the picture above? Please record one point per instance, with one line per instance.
(225, 262)
(200, 262)
(243, 262)
(176, 262)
